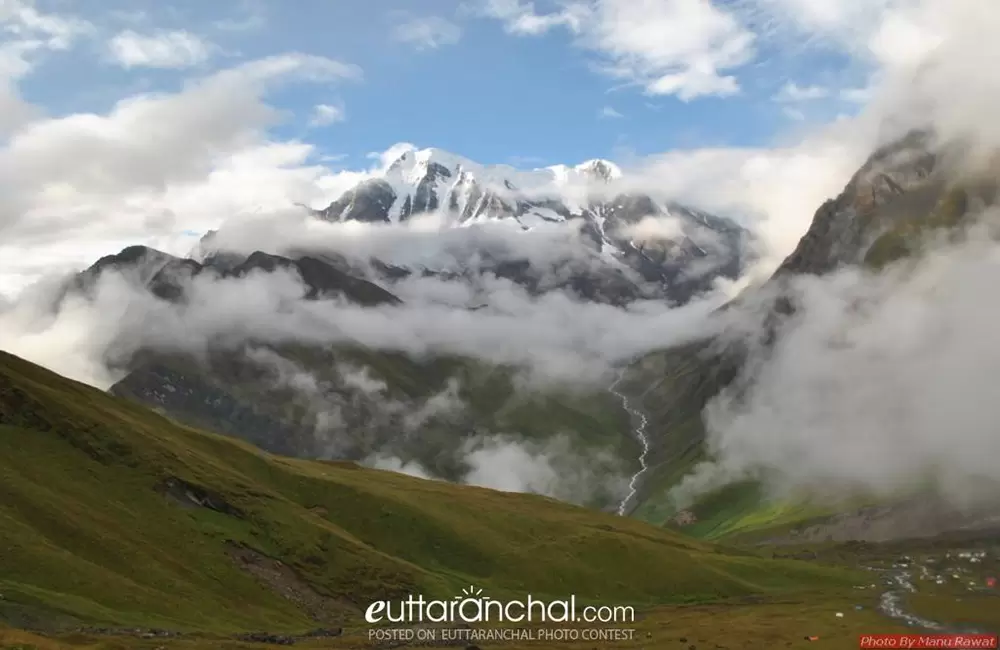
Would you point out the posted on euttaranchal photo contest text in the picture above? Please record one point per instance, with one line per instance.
(472, 618)
(417, 619)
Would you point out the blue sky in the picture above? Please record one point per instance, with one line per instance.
(143, 121)
(473, 88)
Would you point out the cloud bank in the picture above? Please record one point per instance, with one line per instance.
(559, 338)
(555, 468)
(154, 168)
(884, 383)
(880, 384)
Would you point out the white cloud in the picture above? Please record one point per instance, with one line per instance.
(326, 114)
(793, 93)
(932, 52)
(609, 112)
(393, 464)
(14, 111)
(794, 114)
(889, 35)
(845, 25)
(520, 17)
(555, 467)
(153, 140)
(856, 95)
(672, 47)
(28, 36)
(773, 191)
(161, 49)
(428, 240)
(81, 186)
(250, 16)
(655, 228)
(556, 337)
(860, 385)
(669, 47)
(880, 384)
(427, 32)
(31, 29)
(693, 48)
(360, 379)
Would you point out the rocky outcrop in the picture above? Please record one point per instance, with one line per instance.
(898, 183)
(370, 201)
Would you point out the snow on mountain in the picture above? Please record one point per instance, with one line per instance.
(432, 180)
(677, 248)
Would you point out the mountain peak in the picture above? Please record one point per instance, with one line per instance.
(599, 168)
(411, 167)
(416, 181)
(412, 164)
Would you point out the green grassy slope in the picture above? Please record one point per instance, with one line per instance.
(490, 391)
(311, 400)
(231, 394)
(88, 534)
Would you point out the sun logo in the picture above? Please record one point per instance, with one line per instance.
(471, 591)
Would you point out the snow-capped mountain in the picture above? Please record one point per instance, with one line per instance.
(680, 249)
(430, 180)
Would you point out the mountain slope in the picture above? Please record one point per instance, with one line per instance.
(902, 193)
(164, 275)
(118, 516)
(340, 400)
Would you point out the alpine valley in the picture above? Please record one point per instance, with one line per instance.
(554, 234)
(286, 522)
(675, 329)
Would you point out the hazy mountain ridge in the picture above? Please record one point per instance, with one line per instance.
(906, 192)
(165, 275)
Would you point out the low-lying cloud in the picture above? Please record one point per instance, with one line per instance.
(879, 384)
(556, 467)
(426, 241)
(557, 337)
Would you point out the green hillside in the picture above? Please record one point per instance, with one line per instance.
(229, 392)
(319, 399)
(115, 515)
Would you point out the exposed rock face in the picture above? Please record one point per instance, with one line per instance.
(370, 201)
(682, 263)
(897, 183)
